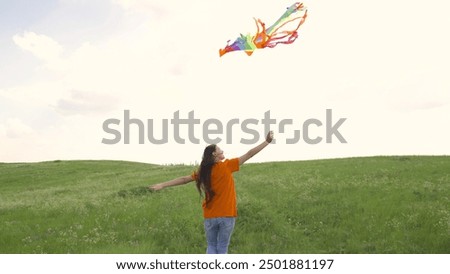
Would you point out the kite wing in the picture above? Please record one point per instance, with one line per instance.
(276, 34)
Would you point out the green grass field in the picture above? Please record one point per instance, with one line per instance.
(355, 205)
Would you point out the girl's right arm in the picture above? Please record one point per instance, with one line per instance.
(175, 182)
(252, 152)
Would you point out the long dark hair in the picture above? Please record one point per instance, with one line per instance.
(203, 181)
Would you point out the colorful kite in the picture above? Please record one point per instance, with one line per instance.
(271, 36)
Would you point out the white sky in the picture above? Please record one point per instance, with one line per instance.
(69, 65)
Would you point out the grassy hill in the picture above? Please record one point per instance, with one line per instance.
(355, 205)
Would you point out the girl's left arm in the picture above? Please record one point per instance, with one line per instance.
(175, 182)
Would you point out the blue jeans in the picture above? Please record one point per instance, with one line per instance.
(218, 234)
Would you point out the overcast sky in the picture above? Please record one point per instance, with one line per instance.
(69, 65)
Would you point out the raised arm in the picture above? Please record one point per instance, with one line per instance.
(175, 182)
(252, 152)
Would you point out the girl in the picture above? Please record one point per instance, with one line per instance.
(215, 181)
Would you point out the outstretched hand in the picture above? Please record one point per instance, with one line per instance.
(156, 187)
(269, 137)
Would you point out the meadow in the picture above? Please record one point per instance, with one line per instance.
(370, 205)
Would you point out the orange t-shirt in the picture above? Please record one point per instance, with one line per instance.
(222, 183)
